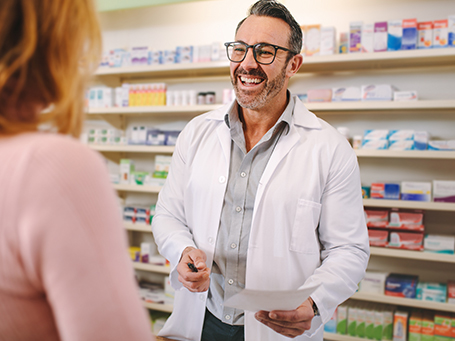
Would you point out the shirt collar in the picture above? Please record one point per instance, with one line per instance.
(232, 117)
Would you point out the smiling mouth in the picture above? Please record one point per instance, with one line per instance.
(250, 80)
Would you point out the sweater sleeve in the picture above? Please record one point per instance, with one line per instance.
(73, 245)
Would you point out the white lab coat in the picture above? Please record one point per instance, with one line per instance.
(308, 221)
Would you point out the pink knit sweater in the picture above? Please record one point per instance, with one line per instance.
(64, 269)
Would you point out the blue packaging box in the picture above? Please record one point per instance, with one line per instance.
(401, 285)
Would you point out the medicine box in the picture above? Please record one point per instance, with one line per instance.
(439, 244)
(368, 38)
(352, 320)
(448, 145)
(409, 39)
(390, 191)
(443, 191)
(376, 218)
(184, 54)
(147, 250)
(416, 191)
(410, 95)
(395, 33)
(440, 33)
(451, 295)
(331, 325)
(406, 240)
(400, 326)
(139, 55)
(377, 92)
(378, 237)
(375, 144)
(436, 292)
(369, 324)
(361, 322)
(451, 31)
(425, 35)
(312, 40)
(415, 326)
(319, 95)
(342, 319)
(375, 134)
(350, 93)
(126, 169)
(373, 282)
(442, 326)
(401, 145)
(421, 140)
(402, 134)
(401, 285)
(380, 36)
(328, 41)
(427, 327)
(344, 43)
(355, 37)
(412, 220)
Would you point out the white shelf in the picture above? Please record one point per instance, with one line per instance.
(364, 107)
(163, 110)
(418, 205)
(132, 148)
(373, 107)
(409, 254)
(410, 154)
(408, 302)
(137, 188)
(339, 337)
(330, 63)
(167, 308)
(138, 227)
(151, 268)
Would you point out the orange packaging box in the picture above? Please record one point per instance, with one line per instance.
(442, 325)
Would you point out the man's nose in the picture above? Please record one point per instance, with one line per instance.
(249, 62)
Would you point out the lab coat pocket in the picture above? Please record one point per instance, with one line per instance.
(304, 237)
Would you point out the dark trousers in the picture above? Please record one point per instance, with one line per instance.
(215, 330)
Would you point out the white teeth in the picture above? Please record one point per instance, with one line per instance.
(250, 80)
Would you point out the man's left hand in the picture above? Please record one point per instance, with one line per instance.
(290, 323)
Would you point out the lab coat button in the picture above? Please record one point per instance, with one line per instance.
(231, 281)
(201, 297)
(210, 240)
(222, 179)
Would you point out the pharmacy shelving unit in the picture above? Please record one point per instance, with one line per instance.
(404, 60)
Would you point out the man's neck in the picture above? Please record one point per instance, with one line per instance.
(256, 123)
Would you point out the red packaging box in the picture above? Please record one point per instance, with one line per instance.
(378, 237)
(377, 218)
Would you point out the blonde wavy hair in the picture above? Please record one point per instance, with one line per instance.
(48, 51)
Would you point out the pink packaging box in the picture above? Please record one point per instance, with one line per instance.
(377, 218)
(320, 95)
(406, 240)
(406, 220)
(378, 237)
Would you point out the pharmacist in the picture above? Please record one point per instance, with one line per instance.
(261, 194)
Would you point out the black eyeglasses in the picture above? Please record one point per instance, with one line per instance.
(263, 53)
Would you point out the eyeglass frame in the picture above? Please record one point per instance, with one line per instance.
(276, 47)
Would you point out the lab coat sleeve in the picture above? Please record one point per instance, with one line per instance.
(343, 236)
(169, 225)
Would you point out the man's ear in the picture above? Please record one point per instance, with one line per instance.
(294, 65)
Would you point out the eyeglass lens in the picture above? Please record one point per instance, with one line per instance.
(264, 53)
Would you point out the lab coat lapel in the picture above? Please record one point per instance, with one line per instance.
(224, 136)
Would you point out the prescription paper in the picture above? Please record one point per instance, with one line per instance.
(255, 300)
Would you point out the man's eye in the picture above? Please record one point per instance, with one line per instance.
(264, 53)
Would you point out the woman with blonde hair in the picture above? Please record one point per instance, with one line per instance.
(64, 269)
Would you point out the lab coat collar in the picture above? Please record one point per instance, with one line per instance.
(302, 116)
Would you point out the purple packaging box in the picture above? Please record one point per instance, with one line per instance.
(380, 36)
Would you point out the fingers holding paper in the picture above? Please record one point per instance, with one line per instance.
(290, 323)
(195, 281)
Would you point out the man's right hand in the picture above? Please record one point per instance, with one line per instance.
(194, 281)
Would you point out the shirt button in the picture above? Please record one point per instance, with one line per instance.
(227, 317)
(201, 297)
(243, 174)
(222, 179)
(231, 281)
(210, 240)
(238, 208)
(233, 245)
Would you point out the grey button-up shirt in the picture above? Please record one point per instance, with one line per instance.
(245, 171)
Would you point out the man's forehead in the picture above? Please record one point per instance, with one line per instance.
(262, 29)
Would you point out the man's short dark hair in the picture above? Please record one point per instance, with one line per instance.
(274, 9)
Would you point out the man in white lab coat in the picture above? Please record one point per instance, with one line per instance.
(263, 195)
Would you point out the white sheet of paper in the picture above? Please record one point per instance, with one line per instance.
(255, 300)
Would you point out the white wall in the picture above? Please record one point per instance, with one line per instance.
(202, 22)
